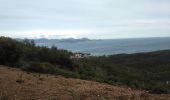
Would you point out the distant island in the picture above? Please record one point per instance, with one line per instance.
(99, 47)
(45, 40)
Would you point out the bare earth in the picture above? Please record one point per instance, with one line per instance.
(19, 85)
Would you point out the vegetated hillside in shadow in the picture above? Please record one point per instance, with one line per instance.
(26, 55)
(150, 71)
(20, 85)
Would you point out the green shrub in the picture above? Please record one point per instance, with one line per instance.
(40, 67)
(10, 51)
(34, 67)
(66, 73)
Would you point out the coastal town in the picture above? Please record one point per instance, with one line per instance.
(78, 55)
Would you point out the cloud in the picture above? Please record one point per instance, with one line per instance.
(75, 18)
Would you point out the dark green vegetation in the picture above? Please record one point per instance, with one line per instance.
(26, 55)
(150, 71)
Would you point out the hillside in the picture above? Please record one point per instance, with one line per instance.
(19, 85)
(147, 71)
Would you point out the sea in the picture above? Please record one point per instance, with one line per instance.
(113, 46)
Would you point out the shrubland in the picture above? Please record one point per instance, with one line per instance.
(149, 71)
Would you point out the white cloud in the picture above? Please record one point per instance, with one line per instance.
(46, 34)
(75, 18)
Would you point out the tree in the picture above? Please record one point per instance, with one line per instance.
(10, 51)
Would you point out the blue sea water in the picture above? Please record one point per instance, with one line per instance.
(114, 46)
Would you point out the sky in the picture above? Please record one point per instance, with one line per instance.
(94, 19)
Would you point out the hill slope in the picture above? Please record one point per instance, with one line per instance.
(19, 85)
(149, 71)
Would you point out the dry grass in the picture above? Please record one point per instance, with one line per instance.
(18, 85)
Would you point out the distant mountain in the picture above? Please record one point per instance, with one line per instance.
(74, 40)
(69, 40)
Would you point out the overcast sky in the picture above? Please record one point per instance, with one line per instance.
(84, 18)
